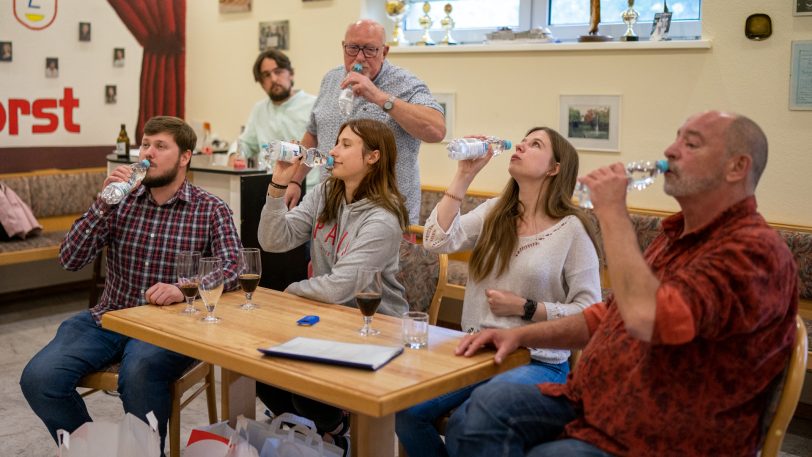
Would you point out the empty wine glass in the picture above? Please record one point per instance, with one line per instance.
(368, 296)
(250, 272)
(211, 286)
(187, 269)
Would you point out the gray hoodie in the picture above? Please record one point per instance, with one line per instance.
(363, 234)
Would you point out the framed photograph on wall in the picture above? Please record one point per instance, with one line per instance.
(800, 76)
(446, 100)
(802, 8)
(235, 6)
(274, 34)
(591, 122)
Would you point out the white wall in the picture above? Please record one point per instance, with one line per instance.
(84, 66)
(505, 94)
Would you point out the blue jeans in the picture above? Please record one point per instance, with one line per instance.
(81, 347)
(415, 426)
(514, 421)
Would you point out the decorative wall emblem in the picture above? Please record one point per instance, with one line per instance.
(35, 14)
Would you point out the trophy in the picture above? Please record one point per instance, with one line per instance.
(448, 25)
(594, 20)
(629, 18)
(395, 10)
(425, 23)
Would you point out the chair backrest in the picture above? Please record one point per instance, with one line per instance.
(790, 393)
(423, 274)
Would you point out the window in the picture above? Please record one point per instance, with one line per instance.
(567, 19)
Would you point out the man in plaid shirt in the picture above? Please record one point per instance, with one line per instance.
(143, 233)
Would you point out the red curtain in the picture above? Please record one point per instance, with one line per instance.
(160, 27)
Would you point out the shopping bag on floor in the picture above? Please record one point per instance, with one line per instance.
(296, 441)
(219, 440)
(259, 432)
(129, 438)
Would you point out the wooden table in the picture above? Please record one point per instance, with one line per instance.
(372, 397)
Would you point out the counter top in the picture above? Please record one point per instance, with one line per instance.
(199, 164)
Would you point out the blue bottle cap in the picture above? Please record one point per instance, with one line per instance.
(144, 163)
(357, 68)
(330, 161)
(662, 165)
(508, 144)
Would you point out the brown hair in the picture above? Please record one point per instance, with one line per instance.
(282, 61)
(181, 132)
(379, 185)
(499, 237)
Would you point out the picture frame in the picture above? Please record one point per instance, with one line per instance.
(6, 51)
(800, 76)
(446, 101)
(274, 34)
(84, 31)
(660, 27)
(591, 122)
(802, 7)
(234, 6)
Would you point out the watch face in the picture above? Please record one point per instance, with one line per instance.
(387, 105)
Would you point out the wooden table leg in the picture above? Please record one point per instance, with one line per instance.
(237, 396)
(372, 436)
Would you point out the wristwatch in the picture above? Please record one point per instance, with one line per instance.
(529, 309)
(389, 103)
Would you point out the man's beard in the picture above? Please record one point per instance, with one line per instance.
(279, 96)
(161, 180)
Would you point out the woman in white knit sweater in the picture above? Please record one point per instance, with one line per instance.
(534, 258)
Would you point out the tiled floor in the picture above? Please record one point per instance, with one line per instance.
(26, 326)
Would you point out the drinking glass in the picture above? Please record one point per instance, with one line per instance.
(368, 296)
(187, 268)
(250, 272)
(211, 286)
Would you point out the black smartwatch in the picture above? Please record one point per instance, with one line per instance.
(529, 309)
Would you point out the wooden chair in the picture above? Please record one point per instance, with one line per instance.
(107, 379)
(423, 275)
(790, 392)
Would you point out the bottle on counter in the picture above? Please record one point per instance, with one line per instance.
(123, 143)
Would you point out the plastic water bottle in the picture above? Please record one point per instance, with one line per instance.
(640, 174)
(116, 191)
(346, 98)
(473, 148)
(286, 152)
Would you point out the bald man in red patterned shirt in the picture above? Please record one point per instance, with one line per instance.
(682, 359)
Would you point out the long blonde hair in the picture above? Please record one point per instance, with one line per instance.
(500, 238)
(379, 184)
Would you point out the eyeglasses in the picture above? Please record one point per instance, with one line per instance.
(352, 50)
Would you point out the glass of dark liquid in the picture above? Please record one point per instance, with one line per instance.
(368, 296)
(187, 268)
(250, 272)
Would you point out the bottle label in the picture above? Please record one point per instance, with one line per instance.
(121, 149)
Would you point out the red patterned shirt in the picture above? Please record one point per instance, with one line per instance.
(143, 237)
(724, 329)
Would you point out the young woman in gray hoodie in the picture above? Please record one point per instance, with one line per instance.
(355, 218)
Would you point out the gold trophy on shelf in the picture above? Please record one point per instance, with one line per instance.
(448, 25)
(594, 20)
(396, 10)
(630, 18)
(425, 23)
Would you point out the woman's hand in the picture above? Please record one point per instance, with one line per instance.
(470, 168)
(283, 172)
(504, 303)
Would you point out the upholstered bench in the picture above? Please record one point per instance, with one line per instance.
(647, 226)
(57, 198)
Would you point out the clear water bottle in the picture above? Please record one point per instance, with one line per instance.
(346, 98)
(116, 191)
(641, 175)
(473, 148)
(286, 152)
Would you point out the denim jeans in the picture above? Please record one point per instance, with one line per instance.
(415, 426)
(514, 421)
(81, 347)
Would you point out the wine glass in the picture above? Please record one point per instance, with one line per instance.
(368, 296)
(187, 268)
(250, 272)
(211, 286)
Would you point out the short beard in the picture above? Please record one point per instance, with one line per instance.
(160, 181)
(280, 97)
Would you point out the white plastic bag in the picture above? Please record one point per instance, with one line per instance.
(129, 438)
(220, 440)
(299, 441)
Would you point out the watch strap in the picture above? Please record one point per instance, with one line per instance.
(530, 307)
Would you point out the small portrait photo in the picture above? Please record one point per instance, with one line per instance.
(84, 31)
(660, 27)
(802, 8)
(6, 52)
(273, 35)
(110, 94)
(235, 6)
(51, 67)
(118, 57)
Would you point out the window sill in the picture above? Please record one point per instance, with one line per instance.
(552, 47)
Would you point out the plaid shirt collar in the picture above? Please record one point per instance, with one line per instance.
(183, 193)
